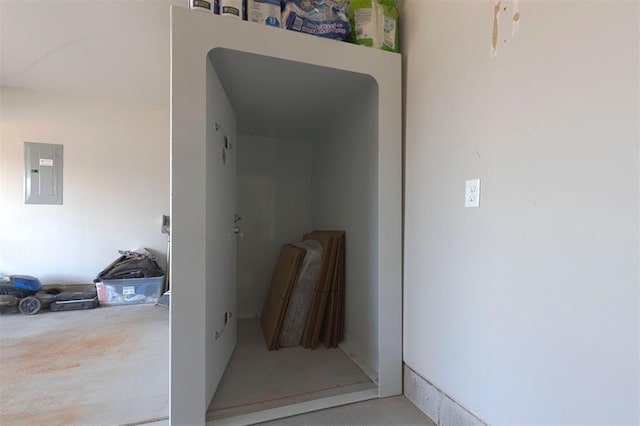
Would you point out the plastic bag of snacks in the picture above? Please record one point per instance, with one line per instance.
(374, 23)
(322, 18)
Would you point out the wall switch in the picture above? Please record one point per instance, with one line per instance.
(472, 193)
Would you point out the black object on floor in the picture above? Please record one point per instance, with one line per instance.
(29, 302)
(131, 265)
(74, 305)
(75, 300)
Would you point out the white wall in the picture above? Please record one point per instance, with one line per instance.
(116, 180)
(525, 310)
(219, 183)
(274, 201)
(289, 187)
(345, 197)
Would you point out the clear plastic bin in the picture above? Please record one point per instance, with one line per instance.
(131, 291)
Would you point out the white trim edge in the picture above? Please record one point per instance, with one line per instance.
(360, 362)
(436, 404)
(295, 409)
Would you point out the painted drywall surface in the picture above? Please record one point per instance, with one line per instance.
(116, 183)
(524, 310)
(221, 241)
(188, 399)
(345, 197)
(274, 202)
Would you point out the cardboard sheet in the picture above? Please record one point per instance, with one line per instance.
(327, 303)
(282, 282)
(300, 300)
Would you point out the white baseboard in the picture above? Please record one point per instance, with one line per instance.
(437, 405)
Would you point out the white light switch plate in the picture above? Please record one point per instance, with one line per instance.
(472, 193)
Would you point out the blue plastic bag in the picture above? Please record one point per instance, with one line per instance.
(322, 18)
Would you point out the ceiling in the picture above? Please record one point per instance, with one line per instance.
(112, 48)
(120, 49)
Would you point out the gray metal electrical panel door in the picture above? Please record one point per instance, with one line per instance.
(43, 173)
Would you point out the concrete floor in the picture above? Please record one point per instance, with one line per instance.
(104, 366)
(395, 411)
(109, 366)
(258, 379)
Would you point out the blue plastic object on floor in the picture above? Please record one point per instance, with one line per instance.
(26, 282)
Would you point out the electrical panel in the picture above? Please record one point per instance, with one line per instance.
(43, 173)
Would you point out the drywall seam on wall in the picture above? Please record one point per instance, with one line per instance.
(436, 404)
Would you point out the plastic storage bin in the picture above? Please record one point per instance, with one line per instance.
(130, 291)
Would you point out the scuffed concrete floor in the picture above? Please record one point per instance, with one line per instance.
(258, 379)
(397, 411)
(104, 366)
